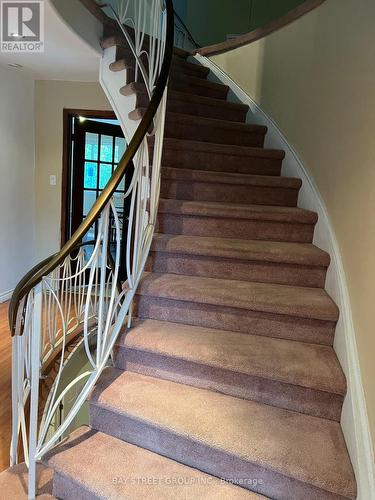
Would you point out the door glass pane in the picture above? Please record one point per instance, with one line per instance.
(91, 146)
(106, 148)
(118, 199)
(89, 198)
(121, 186)
(90, 235)
(105, 175)
(119, 148)
(91, 173)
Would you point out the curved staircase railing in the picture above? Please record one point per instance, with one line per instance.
(78, 287)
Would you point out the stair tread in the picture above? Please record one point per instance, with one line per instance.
(214, 122)
(312, 303)
(305, 448)
(224, 149)
(233, 210)
(306, 365)
(195, 80)
(178, 63)
(184, 96)
(13, 482)
(254, 250)
(125, 466)
(184, 174)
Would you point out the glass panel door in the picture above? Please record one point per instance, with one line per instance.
(98, 147)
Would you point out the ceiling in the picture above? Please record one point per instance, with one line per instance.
(66, 56)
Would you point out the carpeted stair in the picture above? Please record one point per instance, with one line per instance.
(228, 370)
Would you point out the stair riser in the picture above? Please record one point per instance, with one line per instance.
(205, 133)
(179, 68)
(206, 110)
(216, 162)
(66, 489)
(202, 457)
(282, 395)
(180, 53)
(234, 228)
(237, 320)
(228, 193)
(234, 269)
(194, 88)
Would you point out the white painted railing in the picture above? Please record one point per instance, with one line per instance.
(77, 293)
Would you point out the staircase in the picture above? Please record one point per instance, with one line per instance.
(228, 370)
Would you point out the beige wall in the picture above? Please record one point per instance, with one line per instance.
(51, 97)
(316, 79)
(17, 178)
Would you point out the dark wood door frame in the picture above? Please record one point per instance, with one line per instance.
(68, 113)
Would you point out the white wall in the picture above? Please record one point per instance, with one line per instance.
(17, 178)
(51, 97)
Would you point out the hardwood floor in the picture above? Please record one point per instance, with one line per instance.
(5, 387)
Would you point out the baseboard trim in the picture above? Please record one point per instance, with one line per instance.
(4, 296)
(354, 419)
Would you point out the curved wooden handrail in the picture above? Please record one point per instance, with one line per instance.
(33, 277)
(259, 33)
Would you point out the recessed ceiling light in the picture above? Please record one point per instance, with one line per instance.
(15, 65)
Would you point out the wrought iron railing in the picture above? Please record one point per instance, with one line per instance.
(77, 289)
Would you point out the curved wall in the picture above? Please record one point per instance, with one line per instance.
(80, 20)
(316, 78)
